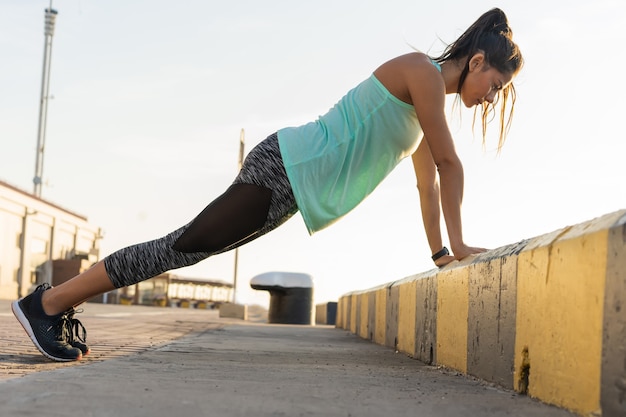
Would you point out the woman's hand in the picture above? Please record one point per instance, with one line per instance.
(466, 251)
(444, 260)
(463, 251)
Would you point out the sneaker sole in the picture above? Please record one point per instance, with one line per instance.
(19, 315)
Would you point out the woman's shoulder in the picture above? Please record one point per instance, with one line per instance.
(399, 73)
(412, 60)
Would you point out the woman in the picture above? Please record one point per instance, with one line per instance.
(323, 169)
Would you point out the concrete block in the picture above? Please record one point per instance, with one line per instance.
(426, 319)
(363, 313)
(354, 313)
(452, 315)
(613, 382)
(341, 313)
(346, 310)
(560, 307)
(326, 313)
(380, 315)
(371, 313)
(234, 311)
(406, 316)
(492, 314)
(391, 316)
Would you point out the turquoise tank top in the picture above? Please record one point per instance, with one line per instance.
(335, 162)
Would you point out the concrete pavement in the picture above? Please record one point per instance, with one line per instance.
(150, 361)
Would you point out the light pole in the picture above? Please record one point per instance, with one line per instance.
(239, 164)
(50, 17)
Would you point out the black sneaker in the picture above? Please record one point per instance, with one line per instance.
(77, 334)
(50, 334)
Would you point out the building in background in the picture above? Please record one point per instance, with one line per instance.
(38, 240)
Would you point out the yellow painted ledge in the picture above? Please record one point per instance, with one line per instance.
(452, 311)
(544, 316)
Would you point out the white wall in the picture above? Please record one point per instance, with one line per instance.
(33, 231)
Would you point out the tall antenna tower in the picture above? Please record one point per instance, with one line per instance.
(50, 18)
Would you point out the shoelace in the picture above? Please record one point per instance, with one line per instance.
(73, 327)
(43, 287)
(69, 327)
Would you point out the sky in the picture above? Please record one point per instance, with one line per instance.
(149, 99)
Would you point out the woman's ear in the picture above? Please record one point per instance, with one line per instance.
(477, 61)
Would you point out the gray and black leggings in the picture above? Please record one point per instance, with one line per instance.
(259, 200)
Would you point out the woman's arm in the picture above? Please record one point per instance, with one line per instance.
(427, 90)
(428, 96)
(413, 79)
(428, 187)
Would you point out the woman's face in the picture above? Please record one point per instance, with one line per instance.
(482, 82)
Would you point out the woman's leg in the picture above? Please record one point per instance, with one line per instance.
(259, 201)
(90, 283)
(235, 215)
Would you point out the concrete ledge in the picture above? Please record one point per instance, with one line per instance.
(545, 316)
(326, 313)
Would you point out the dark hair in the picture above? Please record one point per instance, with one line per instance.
(491, 35)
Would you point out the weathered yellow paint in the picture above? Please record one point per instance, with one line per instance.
(560, 300)
(339, 317)
(452, 313)
(363, 315)
(406, 317)
(346, 313)
(381, 316)
(340, 313)
(353, 313)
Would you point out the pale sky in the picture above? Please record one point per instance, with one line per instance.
(150, 98)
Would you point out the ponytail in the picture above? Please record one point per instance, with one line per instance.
(491, 35)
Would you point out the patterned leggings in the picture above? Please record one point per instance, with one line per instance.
(259, 200)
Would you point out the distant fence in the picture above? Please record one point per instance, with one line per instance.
(166, 289)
